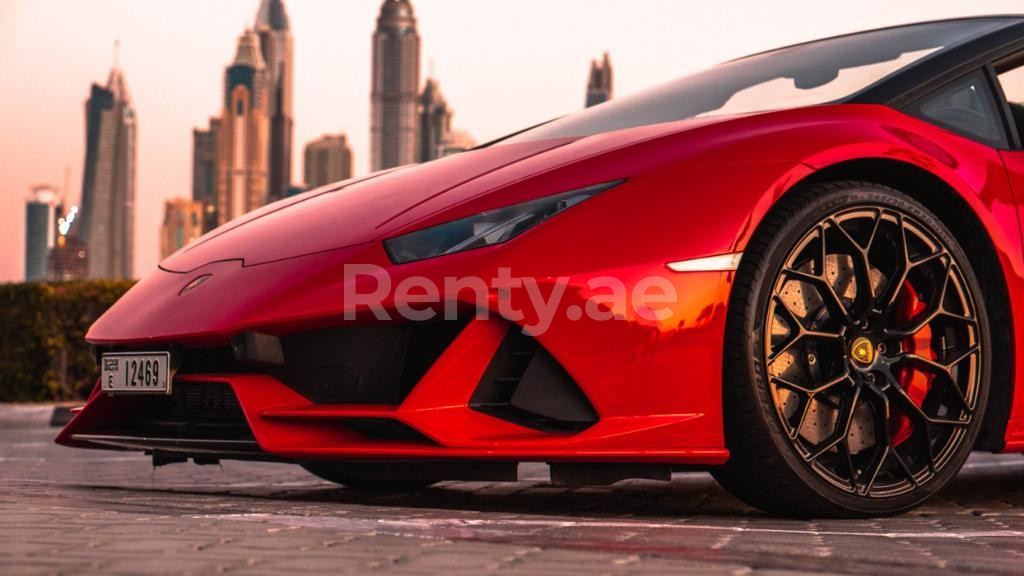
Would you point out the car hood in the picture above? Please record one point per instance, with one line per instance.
(360, 211)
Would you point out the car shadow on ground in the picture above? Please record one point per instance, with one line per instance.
(691, 494)
(988, 486)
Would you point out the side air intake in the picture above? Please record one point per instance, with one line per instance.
(525, 385)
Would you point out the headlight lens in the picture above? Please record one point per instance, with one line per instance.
(487, 228)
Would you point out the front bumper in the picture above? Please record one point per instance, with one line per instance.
(447, 415)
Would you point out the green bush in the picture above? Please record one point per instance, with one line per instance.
(43, 352)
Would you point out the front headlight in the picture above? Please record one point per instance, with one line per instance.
(485, 229)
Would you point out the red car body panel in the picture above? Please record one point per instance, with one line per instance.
(692, 189)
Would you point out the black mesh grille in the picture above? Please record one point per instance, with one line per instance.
(209, 361)
(375, 364)
(194, 410)
(198, 400)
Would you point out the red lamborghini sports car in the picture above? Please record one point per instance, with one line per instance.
(802, 270)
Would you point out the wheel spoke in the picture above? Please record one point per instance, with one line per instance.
(847, 457)
(944, 372)
(798, 332)
(900, 396)
(939, 254)
(817, 389)
(914, 412)
(861, 270)
(795, 432)
(881, 459)
(824, 289)
(807, 396)
(874, 231)
(922, 362)
(844, 377)
(847, 408)
(887, 299)
(957, 318)
(934, 309)
(883, 435)
(903, 466)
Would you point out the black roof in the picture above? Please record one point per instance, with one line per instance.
(947, 64)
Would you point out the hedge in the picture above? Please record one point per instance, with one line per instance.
(43, 352)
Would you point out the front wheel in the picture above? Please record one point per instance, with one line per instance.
(857, 356)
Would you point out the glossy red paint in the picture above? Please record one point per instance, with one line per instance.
(692, 189)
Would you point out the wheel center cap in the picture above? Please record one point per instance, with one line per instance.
(862, 351)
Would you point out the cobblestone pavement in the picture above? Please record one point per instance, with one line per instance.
(82, 511)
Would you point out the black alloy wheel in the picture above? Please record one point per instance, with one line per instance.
(863, 387)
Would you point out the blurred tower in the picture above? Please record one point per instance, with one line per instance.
(276, 49)
(395, 87)
(40, 231)
(435, 122)
(458, 141)
(108, 184)
(204, 171)
(68, 260)
(244, 133)
(183, 223)
(599, 86)
(328, 159)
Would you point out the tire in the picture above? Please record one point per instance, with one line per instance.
(843, 401)
(372, 477)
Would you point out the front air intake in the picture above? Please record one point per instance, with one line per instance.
(376, 364)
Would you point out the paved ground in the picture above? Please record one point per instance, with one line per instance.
(75, 511)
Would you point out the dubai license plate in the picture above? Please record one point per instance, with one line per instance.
(136, 373)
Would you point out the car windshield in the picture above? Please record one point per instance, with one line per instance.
(814, 73)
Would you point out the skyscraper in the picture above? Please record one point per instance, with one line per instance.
(40, 231)
(435, 122)
(395, 87)
(183, 223)
(327, 159)
(599, 86)
(276, 49)
(204, 171)
(244, 132)
(108, 183)
(68, 260)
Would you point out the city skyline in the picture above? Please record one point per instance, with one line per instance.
(43, 82)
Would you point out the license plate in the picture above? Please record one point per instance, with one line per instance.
(136, 373)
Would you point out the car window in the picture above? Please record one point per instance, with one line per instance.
(813, 73)
(1012, 82)
(966, 107)
(782, 92)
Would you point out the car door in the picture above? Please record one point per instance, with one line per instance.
(1008, 76)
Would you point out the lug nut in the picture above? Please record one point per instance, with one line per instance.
(811, 359)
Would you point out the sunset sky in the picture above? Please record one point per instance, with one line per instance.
(501, 64)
